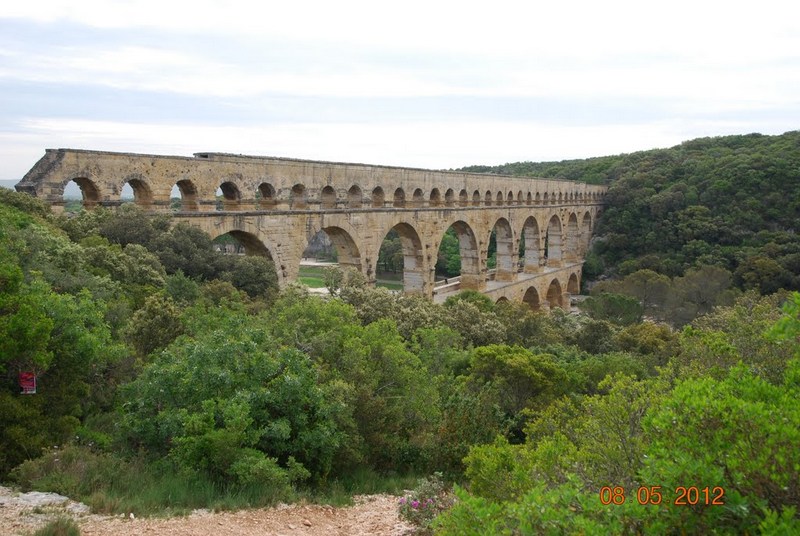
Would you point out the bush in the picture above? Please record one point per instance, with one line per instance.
(63, 526)
(431, 497)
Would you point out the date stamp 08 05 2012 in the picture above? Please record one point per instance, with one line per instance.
(683, 496)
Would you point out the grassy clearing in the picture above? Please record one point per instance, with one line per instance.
(312, 276)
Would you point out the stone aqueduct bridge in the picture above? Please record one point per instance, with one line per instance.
(273, 206)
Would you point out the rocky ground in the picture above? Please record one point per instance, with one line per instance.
(22, 514)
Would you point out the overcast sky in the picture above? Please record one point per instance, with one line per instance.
(435, 84)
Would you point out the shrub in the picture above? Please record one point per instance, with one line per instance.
(431, 497)
(62, 526)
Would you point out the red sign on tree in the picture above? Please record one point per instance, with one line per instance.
(27, 381)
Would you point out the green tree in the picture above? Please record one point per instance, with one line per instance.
(154, 326)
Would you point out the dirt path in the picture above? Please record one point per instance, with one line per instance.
(371, 515)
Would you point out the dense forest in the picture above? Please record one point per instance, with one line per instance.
(731, 202)
(170, 376)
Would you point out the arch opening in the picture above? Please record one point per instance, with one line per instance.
(80, 193)
(298, 199)
(137, 191)
(505, 258)
(553, 242)
(435, 198)
(418, 198)
(530, 246)
(586, 233)
(555, 297)
(573, 238)
(450, 197)
(185, 198)
(573, 285)
(400, 263)
(531, 298)
(355, 197)
(378, 197)
(265, 195)
(327, 198)
(257, 275)
(458, 256)
(228, 196)
(399, 198)
(329, 247)
(476, 198)
(463, 198)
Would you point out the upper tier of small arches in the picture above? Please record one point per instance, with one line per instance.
(235, 183)
(228, 196)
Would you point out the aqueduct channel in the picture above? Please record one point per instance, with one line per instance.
(273, 206)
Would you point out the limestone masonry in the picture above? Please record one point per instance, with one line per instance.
(273, 206)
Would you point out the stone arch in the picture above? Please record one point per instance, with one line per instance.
(470, 256)
(476, 198)
(253, 245)
(231, 196)
(463, 198)
(573, 237)
(346, 248)
(298, 199)
(573, 285)
(414, 276)
(538, 198)
(142, 194)
(378, 197)
(510, 198)
(546, 198)
(552, 198)
(487, 198)
(529, 199)
(498, 200)
(532, 243)
(189, 197)
(450, 197)
(520, 198)
(531, 297)
(506, 256)
(586, 233)
(560, 198)
(355, 197)
(267, 198)
(553, 244)
(435, 198)
(327, 197)
(90, 193)
(418, 198)
(501, 299)
(555, 297)
(399, 200)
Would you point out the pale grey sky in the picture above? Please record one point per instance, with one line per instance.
(434, 84)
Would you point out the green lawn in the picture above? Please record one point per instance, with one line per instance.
(314, 277)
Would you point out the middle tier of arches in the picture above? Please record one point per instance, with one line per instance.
(551, 237)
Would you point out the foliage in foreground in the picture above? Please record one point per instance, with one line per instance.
(729, 440)
(62, 526)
